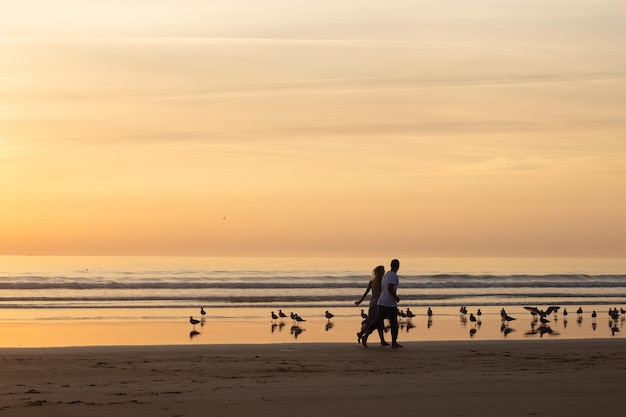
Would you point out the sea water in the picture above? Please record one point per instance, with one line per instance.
(83, 292)
(173, 282)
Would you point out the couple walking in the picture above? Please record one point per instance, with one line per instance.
(383, 305)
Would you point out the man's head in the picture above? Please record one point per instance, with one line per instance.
(395, 265)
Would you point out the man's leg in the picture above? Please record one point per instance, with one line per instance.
(392, 315)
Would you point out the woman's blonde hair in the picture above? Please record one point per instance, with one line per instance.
(378, 272)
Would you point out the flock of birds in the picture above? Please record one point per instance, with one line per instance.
(539, 324)
(540, 320)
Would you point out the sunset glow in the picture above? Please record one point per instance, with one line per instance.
(446, 128)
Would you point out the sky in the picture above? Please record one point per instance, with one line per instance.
(449, 128)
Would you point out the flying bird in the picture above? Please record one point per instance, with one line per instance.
(537, 312)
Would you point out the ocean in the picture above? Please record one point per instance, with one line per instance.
(40, 282)
(59, 300)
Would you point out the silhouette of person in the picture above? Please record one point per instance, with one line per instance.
(375, 286)
(387, 306)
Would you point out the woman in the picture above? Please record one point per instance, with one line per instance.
(375, 286)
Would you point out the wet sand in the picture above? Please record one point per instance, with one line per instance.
(106, 327)
(453, 378)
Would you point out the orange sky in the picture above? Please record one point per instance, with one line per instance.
(448, 128)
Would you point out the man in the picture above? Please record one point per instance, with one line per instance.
(387, 306)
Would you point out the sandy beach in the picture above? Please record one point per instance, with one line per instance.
(477, 378)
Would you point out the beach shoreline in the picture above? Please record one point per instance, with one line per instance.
(93, 327)
(450, 378)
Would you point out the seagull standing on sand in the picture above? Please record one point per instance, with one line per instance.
(202, 311)
(193, 321)
(409, 313)
(363, 315)
(329, 315)
(508, 318)
(274, 316)
(281, 314)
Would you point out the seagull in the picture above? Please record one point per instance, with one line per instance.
(479, 313)
(594, 314)
(537, 312)
(565, 312)
(508, 318)
(463, 310)
(472, 318)
(429, 312)
(274, 316)
(580, 310)
(363, 315)
(298, 318)
(409, 313)
(202, 311)
(193, 321)
(544, 320)
(281, 314)
(329, 315)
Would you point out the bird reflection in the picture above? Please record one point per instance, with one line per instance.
(429, 323)
(409, 326)
(193, 334)
(278, 326)
(296, 330)
(541, 330)
(329, 325)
